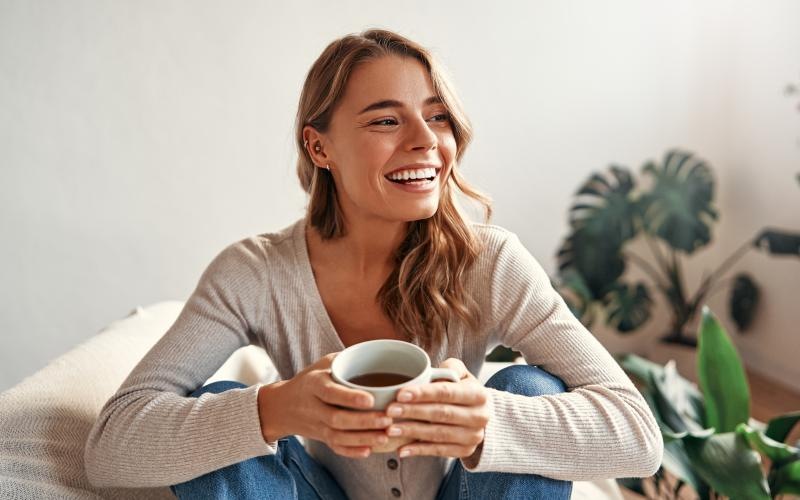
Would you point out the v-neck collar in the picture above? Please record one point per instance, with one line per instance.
(310, 283)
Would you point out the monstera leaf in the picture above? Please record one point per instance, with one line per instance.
(602, 220)
(598, 260)
(605, 206)
(778, 242)
(780, 427)
(628, 307)
(744, 300)
(678, 208)
(577, 296)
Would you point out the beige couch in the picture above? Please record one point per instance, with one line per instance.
(45, 419)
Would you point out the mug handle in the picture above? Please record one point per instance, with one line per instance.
(444, 373)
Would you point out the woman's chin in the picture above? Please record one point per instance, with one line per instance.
(420, 213)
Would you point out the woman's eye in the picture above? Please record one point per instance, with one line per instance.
(391, 121)
(381, 122)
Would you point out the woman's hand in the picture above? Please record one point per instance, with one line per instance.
(453, 415)
(313, 405)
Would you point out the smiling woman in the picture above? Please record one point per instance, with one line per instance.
(383, 252)
(391, 146)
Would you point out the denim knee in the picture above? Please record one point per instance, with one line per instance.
(217, 387)
(527, 380)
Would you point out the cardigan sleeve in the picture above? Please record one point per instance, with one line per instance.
(150, 433)
(600, 428)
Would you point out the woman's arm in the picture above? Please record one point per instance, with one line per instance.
(602, 427)
(150, 433)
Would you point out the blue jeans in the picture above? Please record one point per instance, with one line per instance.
(292, 474)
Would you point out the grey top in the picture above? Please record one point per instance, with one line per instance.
(261, 290)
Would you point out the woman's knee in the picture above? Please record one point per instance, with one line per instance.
(527, 380)
(217, 387)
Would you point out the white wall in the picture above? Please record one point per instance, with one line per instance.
(137, 139)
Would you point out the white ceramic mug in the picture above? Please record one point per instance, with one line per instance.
(387, 356)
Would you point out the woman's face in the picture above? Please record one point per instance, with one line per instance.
(389, 122)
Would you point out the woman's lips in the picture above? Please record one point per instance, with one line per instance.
(417, 186)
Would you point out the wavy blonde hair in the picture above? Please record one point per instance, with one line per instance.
(426, 286)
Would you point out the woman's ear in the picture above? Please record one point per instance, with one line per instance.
(314, 144)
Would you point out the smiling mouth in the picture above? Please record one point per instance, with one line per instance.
(416, 182)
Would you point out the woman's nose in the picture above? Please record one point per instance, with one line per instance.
(421, 135)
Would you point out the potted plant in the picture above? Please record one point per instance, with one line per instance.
(710, 442)
(673, 216)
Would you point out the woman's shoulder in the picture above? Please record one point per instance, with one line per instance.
(491, 235)
(262, 248)
(284, 236)
(502, 248)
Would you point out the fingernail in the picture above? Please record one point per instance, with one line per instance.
(405, 453)
(394, 411)
(404, 396)
(395, 431)
(384, 422)
(364, 401)
(383, 439)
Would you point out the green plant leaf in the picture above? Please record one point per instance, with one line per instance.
(674, 404)
(726, 462)
(786, 479)
(639, 367)
(743, 301)
(670, 436)
(678, 209)
(596, 259)
(605, 206)
(778, 242)
(576, 295)
(627, 308)
(683, 394)
(678, 463)
(502, 354)
(722, 378)
(779, 427)
(634, 484)
(602, 219)
(774, 450)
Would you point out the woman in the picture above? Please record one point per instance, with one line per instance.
(383, 252)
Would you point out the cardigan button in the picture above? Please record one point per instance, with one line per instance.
(396, 492)
(391, 463)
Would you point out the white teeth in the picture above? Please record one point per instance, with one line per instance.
(413, 174)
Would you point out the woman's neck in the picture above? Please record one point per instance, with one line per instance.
(366, 252)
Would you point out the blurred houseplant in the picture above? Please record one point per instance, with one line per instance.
(710, 441)
(674, 217)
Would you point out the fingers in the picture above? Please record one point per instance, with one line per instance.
(441, 413)
(342, 419)
(466, 392)
(436, 449)
(457, 366)
(339, 438)
(332, 393)
(438, 433)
